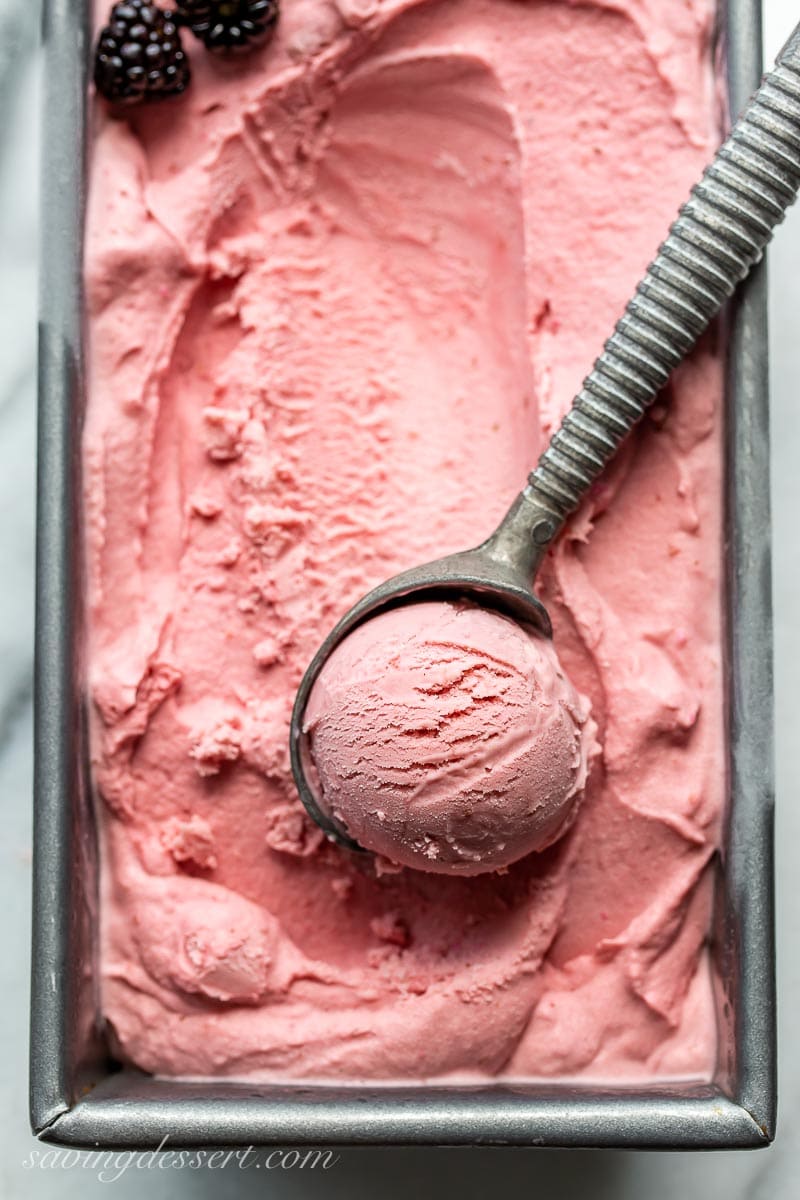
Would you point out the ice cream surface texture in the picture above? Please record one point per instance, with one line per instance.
(448, 738)
(338, 296)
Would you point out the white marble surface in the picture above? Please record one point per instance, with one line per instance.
(766, 1175)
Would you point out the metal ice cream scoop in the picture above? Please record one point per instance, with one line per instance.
(720, 233)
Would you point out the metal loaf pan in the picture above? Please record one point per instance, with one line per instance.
(79, 1097)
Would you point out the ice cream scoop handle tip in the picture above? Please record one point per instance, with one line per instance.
(718, 236)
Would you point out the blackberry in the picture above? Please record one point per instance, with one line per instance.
(139, 55)
(223, 25)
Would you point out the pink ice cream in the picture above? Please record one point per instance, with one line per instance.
(448, 738)
(339, 295)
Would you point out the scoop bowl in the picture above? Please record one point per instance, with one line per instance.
(497, 574)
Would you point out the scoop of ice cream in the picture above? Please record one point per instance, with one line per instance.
(205, 940)
(447, 737)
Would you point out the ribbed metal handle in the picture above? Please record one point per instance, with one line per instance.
(719, 234)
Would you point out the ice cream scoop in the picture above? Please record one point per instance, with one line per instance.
(719, 234)
(460, 730)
